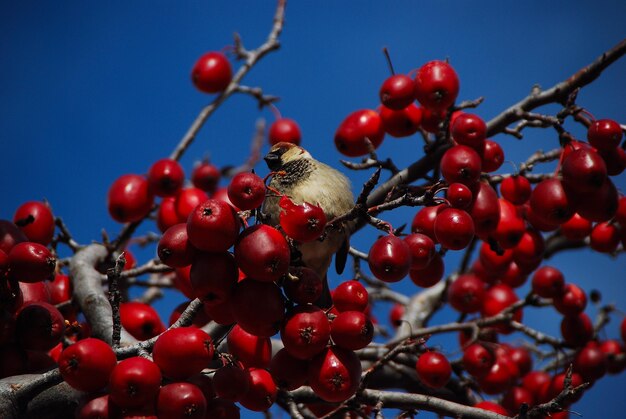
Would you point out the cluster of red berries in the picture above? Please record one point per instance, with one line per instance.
(579, 199)
(255, 288)
(245, 277)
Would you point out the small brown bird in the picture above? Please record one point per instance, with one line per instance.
(304, 179)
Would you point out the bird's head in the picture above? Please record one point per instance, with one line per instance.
(282, 153)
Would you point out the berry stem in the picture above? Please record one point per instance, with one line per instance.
(389, 63)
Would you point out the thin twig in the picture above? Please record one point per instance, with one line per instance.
(113, 275)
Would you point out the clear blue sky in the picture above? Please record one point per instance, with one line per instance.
(93, 90)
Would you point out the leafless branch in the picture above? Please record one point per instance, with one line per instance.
(556, 94)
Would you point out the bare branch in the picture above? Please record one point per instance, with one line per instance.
(556, 94)
(407, 401)
(251, 58)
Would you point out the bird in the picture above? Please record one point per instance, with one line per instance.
(302, 178)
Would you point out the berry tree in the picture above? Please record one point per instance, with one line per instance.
(456, 298)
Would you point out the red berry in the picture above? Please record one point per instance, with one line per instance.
(571, 301)
(166, 177)
(389, 258)
(60, 289)
(493, 156)
(205, 176)
(431, 120)
(614, 159)
(521, 357)
(516, 397)
(97, 407)
(459, 196)
(461, 164)
(303, 285)
(511, 226)
(454, 228)
(250, 350)
(246, 191)
(182, 352)
(39, 326)
(576, 228)
(220, 313)
(466, 293)
(350, 296)
(35, 219)
(397, 92)
(178, 400)
(599, 204)
(213, 226)
(498, 298)
(402, 122)
(550, 203)
(10, 235)
(187, 200)
(288, 372)
(478, 360)
(529, 251)
(262, 393)
(500, 377)
(141, 320)
(515, 189)
(590, 362)
(174, 248)
(213, 277)
(350, 137)
(537, 382)
(262, 253)
(87, 364)
(284, 130)
(485, 210)
(576, 330)
(495, 260)
(167, 215)
(436, 85)
(304, 222)
(604, 134)
(130, 198)
(430, 275)
(604, 237)
(422, 250)
(424, 221)
(614, 355)
(583, 170)
(211, 73)
(258, 307)
(352, 330)
(31, 262)
(305, 332)
(335, 374)
(433, 369)
(548, 282)
(134, 382)
(231, 382)
(514, 276)
(470, 130)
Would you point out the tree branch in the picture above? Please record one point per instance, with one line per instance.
(556, 94)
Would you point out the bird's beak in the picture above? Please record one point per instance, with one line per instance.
(273, 161)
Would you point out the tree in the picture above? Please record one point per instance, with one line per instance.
(543, 119)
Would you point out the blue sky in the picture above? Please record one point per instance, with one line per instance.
(93, 90)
